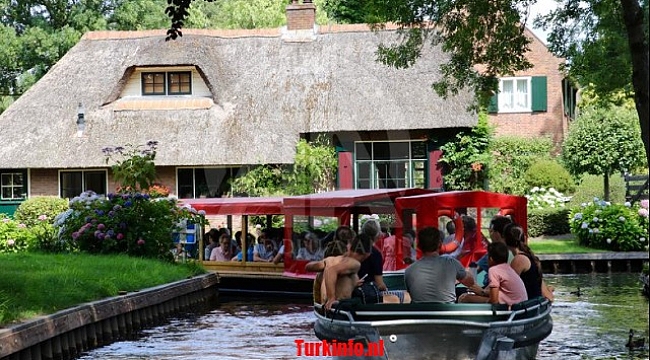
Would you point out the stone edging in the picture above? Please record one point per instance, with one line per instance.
(33, 332)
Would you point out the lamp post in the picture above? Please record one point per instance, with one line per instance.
(81, 121)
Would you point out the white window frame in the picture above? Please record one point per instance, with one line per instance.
(12, 186)
(374, 174)
(515, 108)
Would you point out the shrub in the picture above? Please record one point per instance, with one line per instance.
(512, 156)
(549, 221)
(14, 236)
(31, 209)
(618, 227)
(129, 223)
(591, 186)
(549, 173)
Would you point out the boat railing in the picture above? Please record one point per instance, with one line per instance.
(510, 321)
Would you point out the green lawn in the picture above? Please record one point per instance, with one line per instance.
(34, 284)
(558, 245)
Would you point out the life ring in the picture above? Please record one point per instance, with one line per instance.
(458, 238)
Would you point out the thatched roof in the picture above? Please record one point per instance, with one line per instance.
(266, 91)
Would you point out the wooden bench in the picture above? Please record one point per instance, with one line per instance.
(636, 187)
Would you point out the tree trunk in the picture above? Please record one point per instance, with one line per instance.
(606, 187)
(633, 18)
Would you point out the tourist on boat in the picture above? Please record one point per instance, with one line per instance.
(474, 243)
(250, 242)
(372, 267)
(265, 250)
(433, 277)
(506, 287)
(408, 247)
(340, 272)
(496, 232)
(451, 238)
(333, 248)
(310, 249)
(213, 241)
(525, 263)
(224, 251)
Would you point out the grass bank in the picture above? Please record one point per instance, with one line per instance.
(35, 284)
(559, 244)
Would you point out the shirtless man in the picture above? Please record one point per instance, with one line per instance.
(340, 272)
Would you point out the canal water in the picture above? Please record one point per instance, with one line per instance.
(592, 316)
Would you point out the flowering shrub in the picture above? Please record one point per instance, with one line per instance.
(134, 166)
(618, 227)
(542, 198)
(130, 223)
(14, 236)
(157, 191)
(45, 236)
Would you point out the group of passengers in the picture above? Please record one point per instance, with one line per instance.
(513, 273)
(268, 246)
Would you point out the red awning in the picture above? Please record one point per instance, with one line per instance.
(237, 205)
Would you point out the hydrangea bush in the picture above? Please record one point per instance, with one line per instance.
(14, 236)
(130, 223)
(542, 198)
(618, 227)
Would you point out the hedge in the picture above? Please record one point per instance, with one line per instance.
(551, 221)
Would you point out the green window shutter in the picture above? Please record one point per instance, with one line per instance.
(493, 107)
(538, 85)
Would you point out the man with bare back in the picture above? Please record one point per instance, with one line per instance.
(340, 272)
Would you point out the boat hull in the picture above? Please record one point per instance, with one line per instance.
(436, 336)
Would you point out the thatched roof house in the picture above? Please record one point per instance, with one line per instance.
(217, 99)
(263, 92)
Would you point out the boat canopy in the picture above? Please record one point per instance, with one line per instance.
(237, 205)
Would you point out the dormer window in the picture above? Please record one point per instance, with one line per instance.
(167, 83)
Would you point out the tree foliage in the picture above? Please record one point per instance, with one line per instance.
(314, 170)
(603, 141)
(466, 158)
(511, 158)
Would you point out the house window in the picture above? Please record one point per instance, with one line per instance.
(167, 83)
(12, 186)
(204, 182)
(520, 94)
(180, 83)
(153, 83)
(390, 164)
(73, 183)
(514, 95)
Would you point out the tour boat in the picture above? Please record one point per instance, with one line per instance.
(435, 330)
(438, 331)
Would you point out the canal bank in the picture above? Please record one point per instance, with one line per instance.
(68, 333)
(602, 262)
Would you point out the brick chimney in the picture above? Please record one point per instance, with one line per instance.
(301, 16)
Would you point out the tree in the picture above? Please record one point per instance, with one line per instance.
(314, 170)
(605, 43)
(485, 39)
(603, 141)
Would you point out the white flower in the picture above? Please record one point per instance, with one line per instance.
(595, 219)
(11, 242)
(584, 225)
(621, 218)
(598, 211)
(535, 189)
(642, 239)
(627, 204)
(591, 231)
(583, 204)
(596, 200)
(577, 216)
(609, 241)
(596, 231)
(608, 203)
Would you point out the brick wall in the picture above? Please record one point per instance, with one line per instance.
(44, 182)
(551, 123)
(301, 16)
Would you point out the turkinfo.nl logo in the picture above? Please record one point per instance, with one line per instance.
(336, 348)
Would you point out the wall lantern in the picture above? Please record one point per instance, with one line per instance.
(81, 121)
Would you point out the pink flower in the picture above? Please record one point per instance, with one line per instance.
(22, 226)
(120, 236)
(11, 242)
(643, 213)
(42, 218)
(140, 242)
(645, 203)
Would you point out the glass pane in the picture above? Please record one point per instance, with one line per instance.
(18, 179)
(70, 184)
(390, 150)
(18, 192)
(522, 94)
(363, 150)
(391, 174)
(159, 88)
(418, 150)
(7, 179)
(418, 174)
(506, 96)
(95, 181)
(185, 88)
(186, 183)
(7, 193)
(363, 175)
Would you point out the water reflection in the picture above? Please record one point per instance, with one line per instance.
(593, 325)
